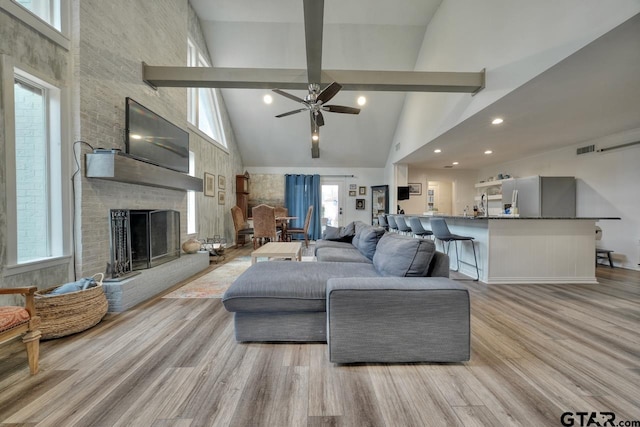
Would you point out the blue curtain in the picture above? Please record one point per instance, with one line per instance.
(300, 192)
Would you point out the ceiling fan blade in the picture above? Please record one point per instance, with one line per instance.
(288, 95)
(320, 119)
(313, 23)
(329, 92)
(340, 109)
(288, 113)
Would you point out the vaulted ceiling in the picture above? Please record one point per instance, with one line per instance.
(388, 35)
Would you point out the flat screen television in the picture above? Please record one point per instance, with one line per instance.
(155, 140)
(403, 193)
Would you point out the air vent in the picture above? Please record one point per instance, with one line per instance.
(397, 146)
(585, 150)
(448, 167)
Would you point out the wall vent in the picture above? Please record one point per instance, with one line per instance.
(585, 150)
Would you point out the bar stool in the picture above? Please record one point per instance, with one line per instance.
(417, 229)
(442, 233)
(382, 222)
(392, 223)
(402, 225)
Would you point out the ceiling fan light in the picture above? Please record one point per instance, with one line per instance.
(315, 137)
(268, 99)
(362, 100)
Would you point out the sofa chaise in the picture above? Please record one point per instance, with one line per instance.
(390, 302)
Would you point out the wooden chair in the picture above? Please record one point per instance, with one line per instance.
(281, 211)
(264, 224)
(17, 321)
(304, 230)
(240, 225)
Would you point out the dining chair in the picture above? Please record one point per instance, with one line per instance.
(442, 233)
(305, 229)
(264, 224)
(281, 211)
(22, 321)
(240, 225)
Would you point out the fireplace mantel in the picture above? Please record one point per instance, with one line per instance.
(116, 167)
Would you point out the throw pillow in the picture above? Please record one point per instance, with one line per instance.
(403, 256)
(331, 233)
(84, 283)
(368, 240)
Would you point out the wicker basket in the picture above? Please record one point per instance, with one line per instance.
(69, 313)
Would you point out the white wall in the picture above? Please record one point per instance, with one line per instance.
(362, 177)
(607, 186)
(513, 40)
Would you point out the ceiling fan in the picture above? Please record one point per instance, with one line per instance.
(315, 103)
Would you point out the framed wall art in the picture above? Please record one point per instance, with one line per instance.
(359, 204)
(221, 197)
(352, 193)
(415, 188)
(209, 184)
(362, 191)
(222, 182)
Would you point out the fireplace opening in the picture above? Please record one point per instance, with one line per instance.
(142, 239)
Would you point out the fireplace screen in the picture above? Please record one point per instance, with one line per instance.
(142, 239)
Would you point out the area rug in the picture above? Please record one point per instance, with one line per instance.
(214, 283)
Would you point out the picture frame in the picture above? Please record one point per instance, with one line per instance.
(415, 188)
(360, 204)
(362, 191)
(353, 186)
(222, 182)
(221, 197)
(209, 184)
(352, 193)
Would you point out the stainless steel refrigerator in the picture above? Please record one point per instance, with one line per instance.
(542, 196)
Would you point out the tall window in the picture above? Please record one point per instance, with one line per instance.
(47, 10)
(204, 109)
(38, 184)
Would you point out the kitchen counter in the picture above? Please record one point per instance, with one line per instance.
(514, 217)
(520, 250)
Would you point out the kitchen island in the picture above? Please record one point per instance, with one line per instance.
(517, 250)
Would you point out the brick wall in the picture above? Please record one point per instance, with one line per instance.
(115, 37)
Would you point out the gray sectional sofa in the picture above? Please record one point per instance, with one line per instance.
(381, 298)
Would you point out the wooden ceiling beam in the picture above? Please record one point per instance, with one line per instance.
(272, 78)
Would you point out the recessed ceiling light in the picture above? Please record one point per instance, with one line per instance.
(437, 150)
(135, 136)
(488, 152)
(268, 99)
(362, 100)
(497, 121)
(455, 163)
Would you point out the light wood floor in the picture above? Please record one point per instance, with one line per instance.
(537, 351)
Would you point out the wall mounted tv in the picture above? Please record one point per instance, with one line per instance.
(155, 140)
(403, 193)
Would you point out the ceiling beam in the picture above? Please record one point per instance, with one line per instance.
(271, 78)
(313, 24)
